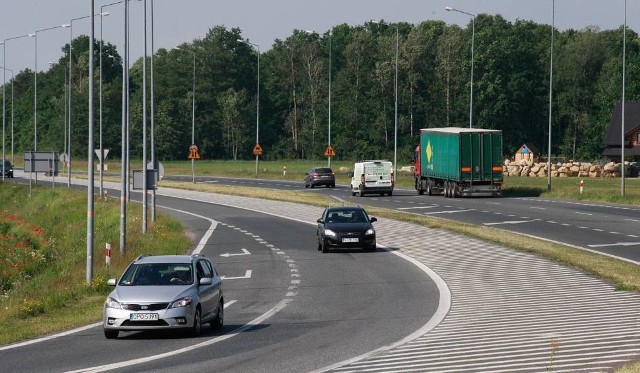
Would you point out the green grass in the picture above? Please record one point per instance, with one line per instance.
(51, 294)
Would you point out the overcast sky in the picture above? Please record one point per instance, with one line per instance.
(263, 21)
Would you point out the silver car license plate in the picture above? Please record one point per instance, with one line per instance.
(347, 240)
(144, 317)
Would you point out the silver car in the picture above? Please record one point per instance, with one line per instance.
(165, 292)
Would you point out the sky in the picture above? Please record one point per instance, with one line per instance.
(264, 21)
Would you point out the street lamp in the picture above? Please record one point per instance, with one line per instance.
(624, 61)
(3, 121)
(257, 99)
(193, 111)
(4, 111)
(12, 80)
(553, 26)
(473, 36)
(395, 130)
(102, 14)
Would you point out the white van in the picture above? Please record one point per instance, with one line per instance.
(372, 177)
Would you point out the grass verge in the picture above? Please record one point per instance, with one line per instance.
(47, 289)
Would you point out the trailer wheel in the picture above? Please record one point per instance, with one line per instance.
(429, 190)
(418, 186)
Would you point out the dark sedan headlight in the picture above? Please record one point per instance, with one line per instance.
(182, 302)
(369, 232)
(112, 303)
(329, 233)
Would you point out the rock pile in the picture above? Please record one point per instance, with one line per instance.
(567, 169)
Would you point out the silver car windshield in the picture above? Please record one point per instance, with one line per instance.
(155, 274)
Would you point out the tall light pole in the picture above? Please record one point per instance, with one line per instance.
(102, 14)
(4, 111)
(257, 99)
(553, 27)
(3, 118)
(473, 37)
(124, 176)
(144, 125)
(154, 160)
(193, 110)
(90, 174)
(70, 96)
(624, 61)
(12, 79)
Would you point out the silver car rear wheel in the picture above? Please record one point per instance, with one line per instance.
(218, 321)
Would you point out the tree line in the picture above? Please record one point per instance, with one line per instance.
(354, 69)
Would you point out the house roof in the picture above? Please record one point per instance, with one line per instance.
(531, 147)
(631, 123)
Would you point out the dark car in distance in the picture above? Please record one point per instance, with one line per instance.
(7, 169)
(320, 176)
(346, 227)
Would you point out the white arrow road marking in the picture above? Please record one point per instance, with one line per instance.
(511, 222)
(616, 244)
(244, 252)
(246, 275)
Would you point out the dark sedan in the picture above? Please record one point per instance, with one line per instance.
(320, 176)
(7, 169)
(346, 227)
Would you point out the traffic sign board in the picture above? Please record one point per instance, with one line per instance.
(329, 152)
(193, 152)
(257, 150)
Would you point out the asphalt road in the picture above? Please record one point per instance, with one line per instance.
(604, 228)
(289, 307)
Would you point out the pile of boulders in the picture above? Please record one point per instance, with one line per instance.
(566, 169)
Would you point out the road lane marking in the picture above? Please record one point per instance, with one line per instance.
(512, 222)
(447, 212)
(584, 213)
(247, 274)
(616, 244)
(417, 207)
(244, 252)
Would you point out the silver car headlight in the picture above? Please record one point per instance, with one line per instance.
(329, 232)
(369, 232)
(112, 303)
(182, 302)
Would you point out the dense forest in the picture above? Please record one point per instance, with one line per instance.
(356, 67)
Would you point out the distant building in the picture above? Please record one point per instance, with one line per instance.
(612, 139)
(528, 152)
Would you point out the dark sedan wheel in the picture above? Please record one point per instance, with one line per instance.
(325, 248)
(319, 246)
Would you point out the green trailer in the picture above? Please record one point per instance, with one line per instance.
(459, 162)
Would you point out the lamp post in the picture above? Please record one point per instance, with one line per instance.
(3, 125)
(257, 99)
(102, 14)
(193, 110)
(3, 118)
(624, 61)
(553, 26)
(4, 112)
(69, 100)
(473, 37)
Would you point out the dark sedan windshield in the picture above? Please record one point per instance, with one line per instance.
(347, 216)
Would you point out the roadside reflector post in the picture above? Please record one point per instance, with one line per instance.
(284, 171)
(581, 186)
(107, 253)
